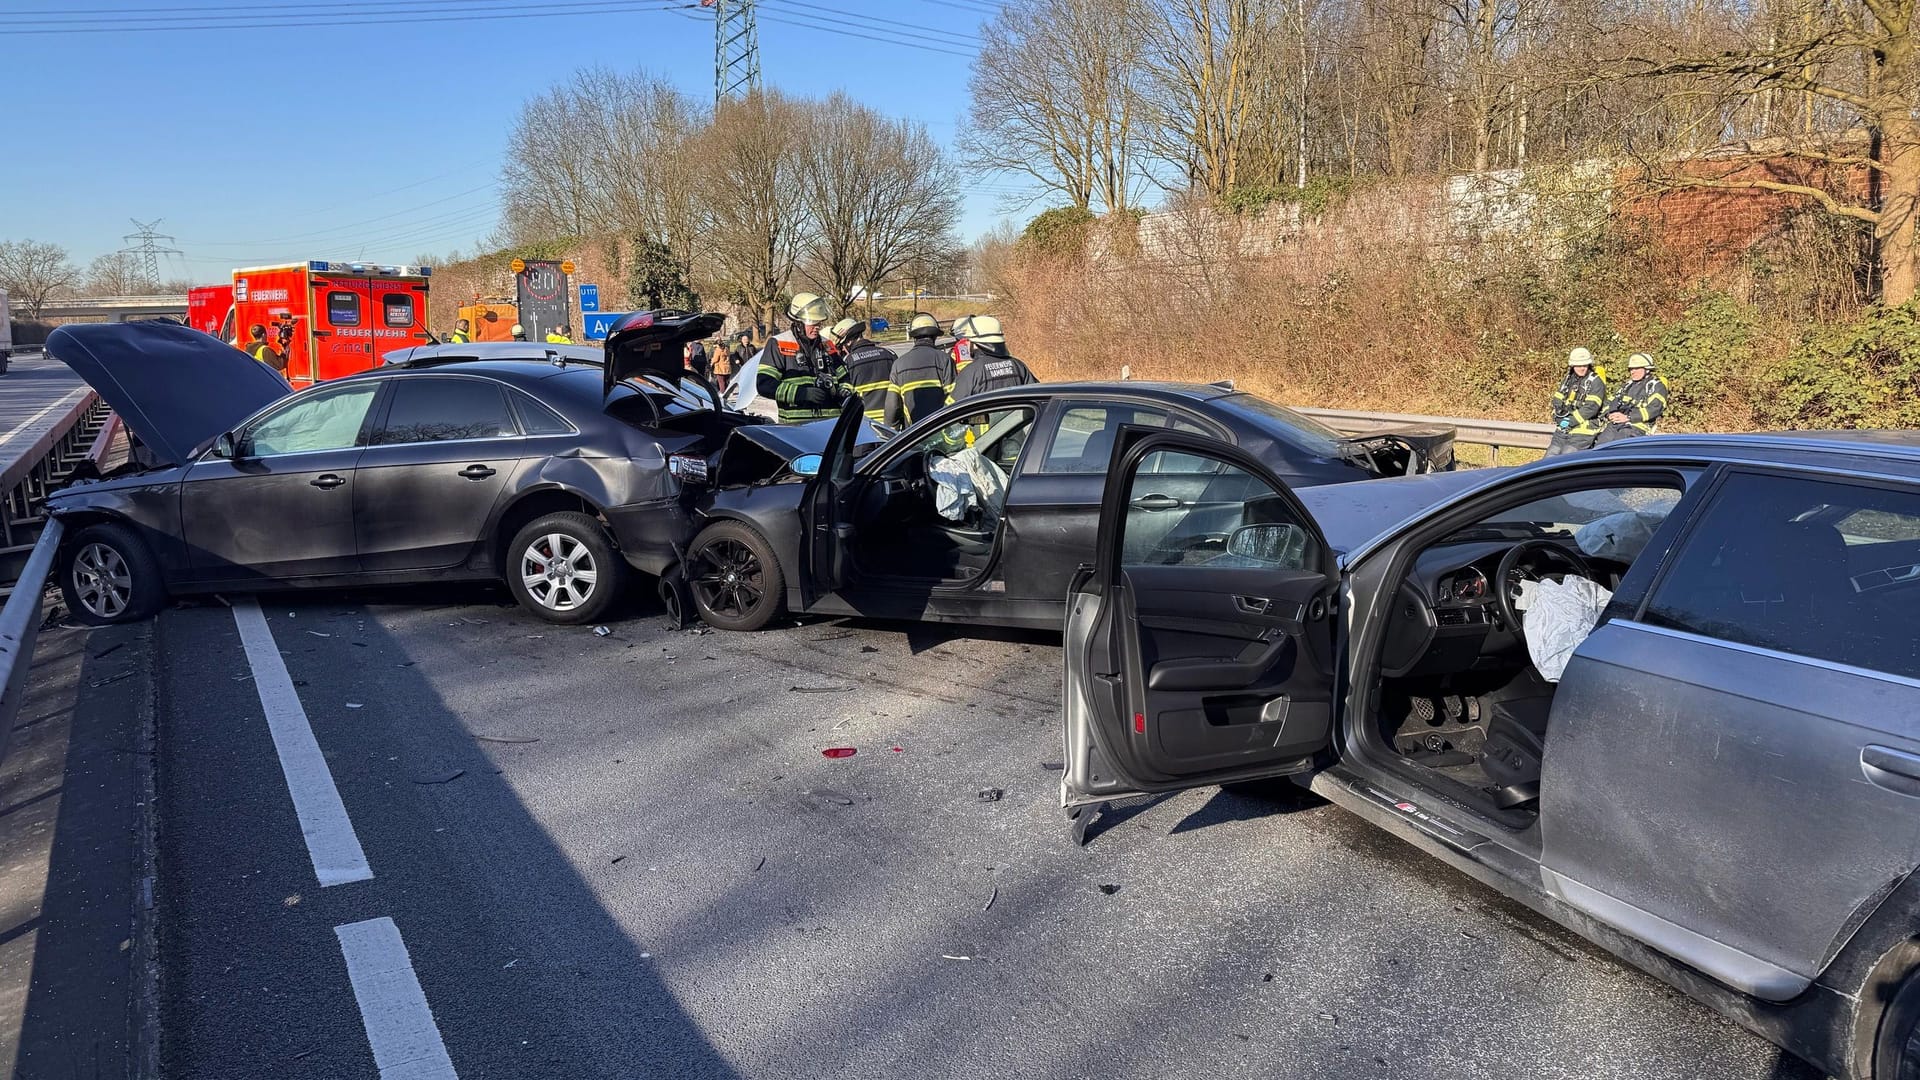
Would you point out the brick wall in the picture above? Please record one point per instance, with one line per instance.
(1709, 228)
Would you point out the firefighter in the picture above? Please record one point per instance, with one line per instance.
(922, 378)
(1576, 406)
(992, 367)
(795, 370)
(562, 336)
(461, 333)
(519, 332)
(1638, 405)
(869, 365)
(259, 349)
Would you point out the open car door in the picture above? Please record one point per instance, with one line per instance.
(826, 509)
(1200, 643)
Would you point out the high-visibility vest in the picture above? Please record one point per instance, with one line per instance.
(559, 339)
(458, 337)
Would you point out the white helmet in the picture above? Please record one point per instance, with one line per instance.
(982, 328)
(1639, 360)
(807, 307)
(1580, 357)
(845, 330)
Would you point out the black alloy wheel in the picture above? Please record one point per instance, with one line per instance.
(736, 581)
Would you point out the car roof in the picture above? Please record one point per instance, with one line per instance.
(1888, 452)
(1178, 391)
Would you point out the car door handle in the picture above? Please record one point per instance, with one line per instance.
(476, 472)
(1252, 605)
(327, 480)
(1895, 770)
(1156, 503)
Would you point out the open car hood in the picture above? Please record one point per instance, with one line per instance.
(651, 343)
(1428, 447)
(174, 386)
(764, 451)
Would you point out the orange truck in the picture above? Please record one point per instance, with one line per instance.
(328, 318)
(490, 320)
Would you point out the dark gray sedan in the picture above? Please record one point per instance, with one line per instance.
(1666, 693)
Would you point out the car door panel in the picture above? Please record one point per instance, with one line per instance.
(285, 516)
(425, 506)
(1200, 670)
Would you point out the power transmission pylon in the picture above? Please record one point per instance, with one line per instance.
(148, 249)
(736, 49)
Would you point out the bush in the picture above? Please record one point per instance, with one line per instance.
(1707, 360)
(1060, 231)
(1863, 373)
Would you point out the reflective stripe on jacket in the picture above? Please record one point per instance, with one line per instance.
(791, 373)
(920, 383)
(870, 371)
(1583, 399)
(990, 372)
(1644, 401)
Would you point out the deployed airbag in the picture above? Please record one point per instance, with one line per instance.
(965, 484)
(1622, 536)
(1560, 617)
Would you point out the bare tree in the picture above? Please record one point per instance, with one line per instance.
(751, 178)
(118, 273)
(1060, 100)
(32, 272)
(880, 192)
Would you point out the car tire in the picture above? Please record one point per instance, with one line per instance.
(108, 576)
(1896, 1050)
(563, 567)
(735, 577)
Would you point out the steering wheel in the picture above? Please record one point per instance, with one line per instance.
(1516, 566)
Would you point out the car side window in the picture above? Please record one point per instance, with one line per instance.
(1187, 508)
(1814, 567)
(330, 420)
(536, 418)
(1083, 439)
(443, 410)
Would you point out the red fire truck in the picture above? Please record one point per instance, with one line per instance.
(329, 318)
(210, 310)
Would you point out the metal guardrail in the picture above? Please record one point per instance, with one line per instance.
(1490, 433)
(37, 469)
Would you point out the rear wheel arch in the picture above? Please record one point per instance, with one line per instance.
(530, 506)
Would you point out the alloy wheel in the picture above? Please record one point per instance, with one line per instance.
(102, 581)
(727, 578)
(559, 572)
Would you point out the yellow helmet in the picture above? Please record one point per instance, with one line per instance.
(807, 307)
(982, 328)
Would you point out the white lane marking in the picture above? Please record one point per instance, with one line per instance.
(35, 418)
(331, 841)
(406, 1042)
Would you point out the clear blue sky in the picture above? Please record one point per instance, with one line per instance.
(340, 132)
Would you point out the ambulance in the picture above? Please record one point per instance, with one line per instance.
(328, 318)
(210, 310)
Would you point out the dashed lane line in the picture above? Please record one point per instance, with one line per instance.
(406, 1041)
(331, 842)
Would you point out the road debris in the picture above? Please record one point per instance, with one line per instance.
(356, 705)
(615, 861)
(441, 778)
(838, 752)
(831, 796)
(601, 631)
(991, 897)
(950, 956)
(1053, 766)
(128, 674)
(868, 648)
(818, 689)
(761, 863)
(897, 749)
(318, 633)
(509, 963)
(513, 739)
(1109, 889)
(991, 794)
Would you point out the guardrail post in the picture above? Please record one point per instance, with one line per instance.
(1493, 458)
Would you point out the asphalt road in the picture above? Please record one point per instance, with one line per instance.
(626, 856)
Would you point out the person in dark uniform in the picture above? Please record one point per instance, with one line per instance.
(1638, 405)
(259, 349)
(795, 370)
(1576, 406)
(993, 367)
(922, 378)
(869, 365)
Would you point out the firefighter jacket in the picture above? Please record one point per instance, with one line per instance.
(801, 379)
(921, 382)
(991, 369)
(1578, 404)
(870, 370)
(1644, 402)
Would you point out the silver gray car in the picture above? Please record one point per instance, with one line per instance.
(1666, 693)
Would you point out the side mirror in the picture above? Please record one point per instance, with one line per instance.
(1279, 545)
(806, 465)
(224, 447)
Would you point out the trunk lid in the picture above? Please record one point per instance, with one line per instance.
(650, 343)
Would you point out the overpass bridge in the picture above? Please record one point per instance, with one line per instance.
(114, 308)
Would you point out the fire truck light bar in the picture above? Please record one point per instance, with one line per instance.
(324, 267)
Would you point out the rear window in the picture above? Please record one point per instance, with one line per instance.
(537, 419)
(442, 410)
(397, 309)
(343, 308)
(1309, 434)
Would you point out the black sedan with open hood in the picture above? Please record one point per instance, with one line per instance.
(981, 512)
(553, 469)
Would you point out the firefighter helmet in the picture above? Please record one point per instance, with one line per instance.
(518, 330)
(807, 307)
(1580, 357)
(923, 326)
(846, 330)
(1639, 360)
(982, 328)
